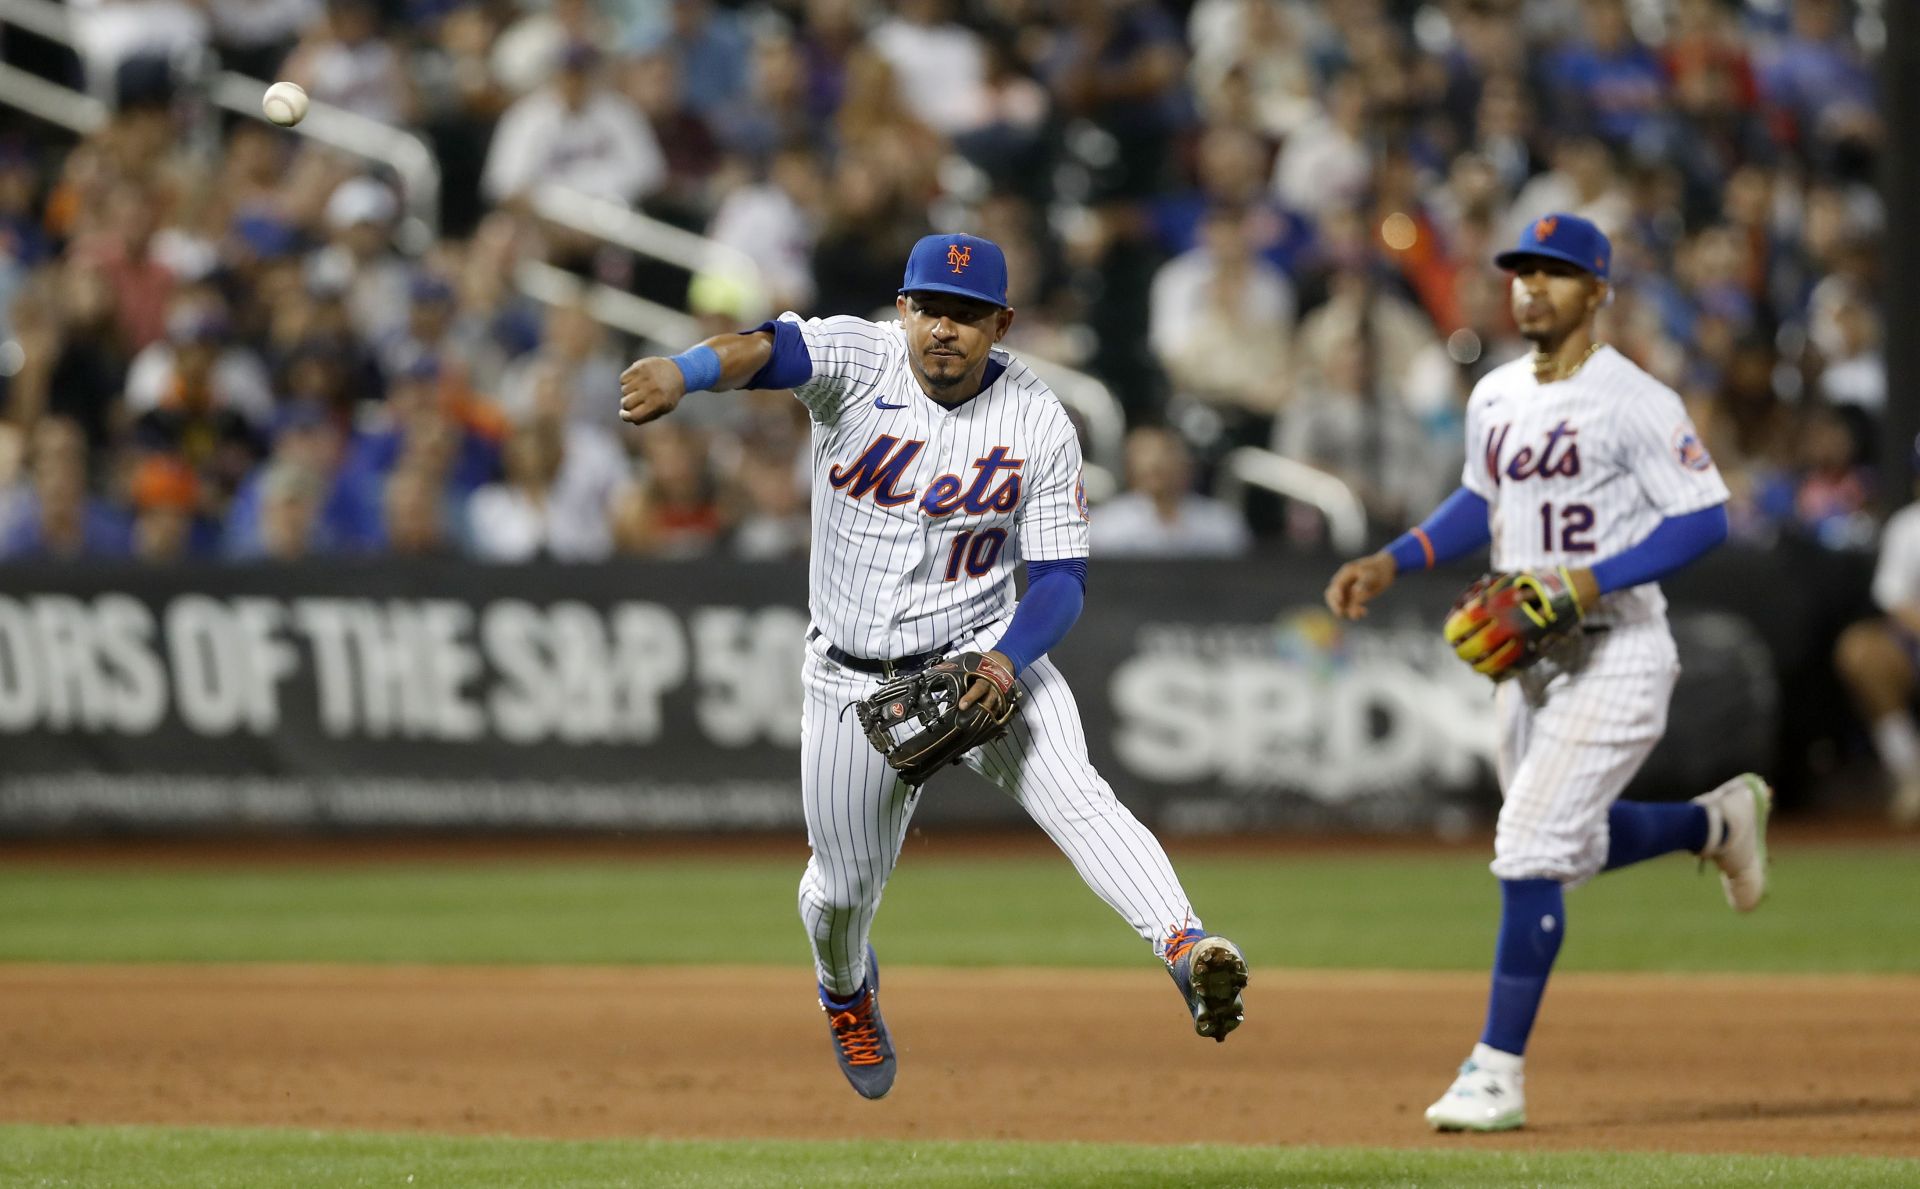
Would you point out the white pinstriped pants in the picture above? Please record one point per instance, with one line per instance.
(1570, 740)
(857, 814)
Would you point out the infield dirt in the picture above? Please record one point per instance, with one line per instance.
(1818, 1065)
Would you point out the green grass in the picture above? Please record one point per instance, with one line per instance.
(1832, 909)
(155, 1158)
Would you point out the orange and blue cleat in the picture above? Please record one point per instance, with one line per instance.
(861, 1043)
(1211, 973)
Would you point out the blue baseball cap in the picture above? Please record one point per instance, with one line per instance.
(965, 265)
(1562, 237)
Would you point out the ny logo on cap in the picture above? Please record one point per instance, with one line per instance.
(958, 257)
(1543, 230)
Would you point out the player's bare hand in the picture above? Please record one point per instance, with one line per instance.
(651, 388)
(1359, 582)
(985, 691)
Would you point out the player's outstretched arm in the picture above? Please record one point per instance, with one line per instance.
(1457, 527)
(652, 387)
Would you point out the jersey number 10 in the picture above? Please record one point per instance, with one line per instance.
(1576, 520)
(977, 551)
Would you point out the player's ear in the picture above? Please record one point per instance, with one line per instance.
(1002, 323)
(900, 305)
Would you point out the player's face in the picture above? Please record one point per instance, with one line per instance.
(948, 337)
(1551, 298)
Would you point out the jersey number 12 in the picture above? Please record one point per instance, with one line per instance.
(1576, 520)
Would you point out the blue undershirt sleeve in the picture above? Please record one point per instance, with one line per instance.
(1673, 543)
(790, 366)
(1056, 591)
(1456, 528)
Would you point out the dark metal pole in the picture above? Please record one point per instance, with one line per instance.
(1900, 188)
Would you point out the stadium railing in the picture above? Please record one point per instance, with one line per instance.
(1086, 396)
(27, 92)
(1252, 466)
(411, 160)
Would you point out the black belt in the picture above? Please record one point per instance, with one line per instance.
(892, 667)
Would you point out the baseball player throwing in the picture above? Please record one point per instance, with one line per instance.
(940, 463)
(1591, 484)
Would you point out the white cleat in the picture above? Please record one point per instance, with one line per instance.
(1489, 1095)
(1737, 814)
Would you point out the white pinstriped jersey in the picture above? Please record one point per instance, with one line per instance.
(1577, 471)
(920, 511)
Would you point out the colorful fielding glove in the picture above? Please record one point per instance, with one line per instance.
(1504, 623)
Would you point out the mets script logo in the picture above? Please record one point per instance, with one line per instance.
(882, 472)
(958, 257)
(1557, 458)
(1691, 453)
(1544, 229)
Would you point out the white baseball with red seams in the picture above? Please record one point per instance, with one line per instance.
(921, 512)
(1575, 471)
(285, 104)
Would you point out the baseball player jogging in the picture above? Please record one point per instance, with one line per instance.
(1587, 477)
(940, 463)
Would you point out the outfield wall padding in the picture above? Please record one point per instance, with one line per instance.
(651, 697)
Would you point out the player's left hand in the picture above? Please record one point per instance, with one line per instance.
(949, 705)
(650, 388)
(991, 688)
(1504, 623)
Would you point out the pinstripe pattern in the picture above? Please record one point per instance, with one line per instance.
(879, 587)
(1571, 738)
(1042, 763)
(857, 813)
(1574, 472)
(1627, 429)
(877, 581)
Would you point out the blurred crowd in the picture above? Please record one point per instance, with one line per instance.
(1262, 223)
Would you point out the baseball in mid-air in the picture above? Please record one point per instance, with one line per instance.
(285, 104)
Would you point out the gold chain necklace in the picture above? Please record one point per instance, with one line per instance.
(1572, 368)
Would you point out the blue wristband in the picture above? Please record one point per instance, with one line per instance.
(699, 367)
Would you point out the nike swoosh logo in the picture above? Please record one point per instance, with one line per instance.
(880, 402)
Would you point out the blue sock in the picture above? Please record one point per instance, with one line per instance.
(1533, 919)
(1639, 830)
